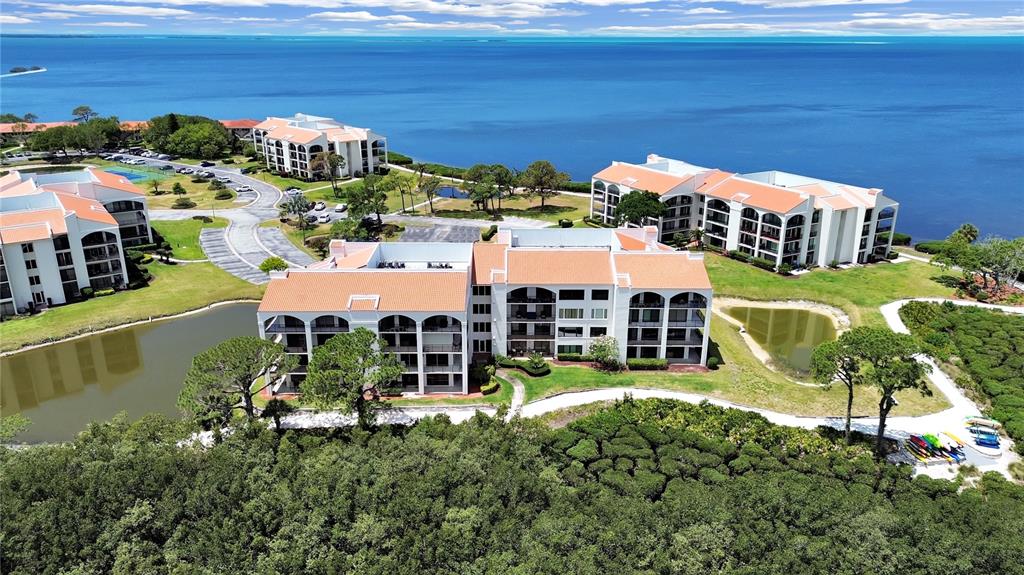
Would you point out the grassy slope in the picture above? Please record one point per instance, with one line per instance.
(183, 235)
(559, 207)
(858, 291)
(741, 379)
(199, 193)
(175, 289)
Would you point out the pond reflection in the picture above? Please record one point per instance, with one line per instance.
(788, 335)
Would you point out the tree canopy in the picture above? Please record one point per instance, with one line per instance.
(541, 179)
(646, 487)
(637, 206)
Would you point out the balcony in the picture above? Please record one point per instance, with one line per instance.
(295, 349)
(398, 329)
(531, 300)
(400, 349)
(526, 336)
(686, 341)
(686, 323)
(718, 218)
(442, 369)
(442, 348)
(442, 329)
(328, 328)
(649, 342)
(644, 323)
(532, 318)
(282, 328)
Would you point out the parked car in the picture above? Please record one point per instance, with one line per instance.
(324, 218)
(292, 191)
(224, 179)
(311, 218)
(166, 167)
(187, 171)
(243, 189)
(163, 157)
(340, 208)
(320, 206)
(207, 164)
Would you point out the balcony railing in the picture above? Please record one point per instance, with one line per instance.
(513, 335)
(398, 329)
(537, 319)
(442, 348)
(400, 348)
(296, 349)
(529, 300)
(685, 341)
(442, 368)
(442, 329)
(328, 328)
(281, 328)
(686, 323)
(646, 305)
(689, 305)
(643, 342)
(640, 323)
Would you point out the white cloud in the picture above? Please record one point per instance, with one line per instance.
(111, 10)
(471, 26)
(695, 11)
(518, 22)
(537, 31)
(5, 19)
(53, 15)
(107, 24)
(869, 14)
(805, 3)
(927, 22)
(360, 16)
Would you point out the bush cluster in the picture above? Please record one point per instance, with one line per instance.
(574, 357)
(899, 239)
(490, 387)
(646, 364)
(988, 345)
(763, 263)
(527, 366)
(932, 247)
(104, 292)
(740, 256)
(564, 223)
(487, 234)
(398, 159)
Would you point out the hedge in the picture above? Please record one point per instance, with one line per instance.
(103, 292)
(579, 187)
(645, 364)
(87, 292)
(487, 234)
(899, 239)
(524, 365)
(565, 223)
(398, 159)
(738, 255)
(490, 388)
(763, 263)
(933, 247)
(223, 195)
(574, 357)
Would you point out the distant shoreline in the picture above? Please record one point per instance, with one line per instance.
(10, 74)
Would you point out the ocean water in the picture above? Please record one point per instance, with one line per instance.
(937, 123)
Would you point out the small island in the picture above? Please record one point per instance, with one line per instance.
(19, 70)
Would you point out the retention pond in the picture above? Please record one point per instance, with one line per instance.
(138, 370)
(789, 336)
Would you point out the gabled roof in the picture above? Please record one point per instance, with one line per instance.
(641, 178)
(756, 194)
(19, 189)
(85, 208)
(271, 123)
(31, 225)
(397, 290)
(244, 123)
(487, 257)
(293, 134)
(661, 270)
(114, 181)
(559, 266)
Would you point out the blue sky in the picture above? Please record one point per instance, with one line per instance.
(558, 18)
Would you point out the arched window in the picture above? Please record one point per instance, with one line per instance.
(795, 222)
(688, 300)
(886, 213)
(396, 323)
(99, 239)
(719, 205)
(315, 149)
(613, 190)
(442, 323)
(598, 186)
(750, 214)
(771, 219)
(647, 299)
(330, 323)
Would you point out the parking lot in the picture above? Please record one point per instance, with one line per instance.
(439, 233)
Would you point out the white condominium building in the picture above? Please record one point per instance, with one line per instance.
(528, 290)
(778, 216)
(290, 145)
(62, 232)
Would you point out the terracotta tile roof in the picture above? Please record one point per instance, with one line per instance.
(640, 178)
(85, 208)
(293, 134)
(21, 189)
(346, 134)
(559, 266)
(134, 125)
(13, 127)
(662, 271)
(9, 179)
(756, 194)
(31, 225)
(114, 181)
(487, 257)
(834, 202)
(271, 123)
(398, 290)
(245, 123)
(630, 243)
(712, 179)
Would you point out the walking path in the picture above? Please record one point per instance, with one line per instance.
(901, 427)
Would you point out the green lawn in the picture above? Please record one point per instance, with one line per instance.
(175, 289)
(858, 291)
(502, 396)
(562, 206)
(740, 379)
(183, 235)
(200, 193)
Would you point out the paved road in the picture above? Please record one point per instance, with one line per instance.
(440, 234)
(243, 245)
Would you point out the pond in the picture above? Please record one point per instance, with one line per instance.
(451, 192)
(63, 387)
(788, 335)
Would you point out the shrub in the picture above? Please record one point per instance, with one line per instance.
(183, 204)
(574, 357)
(933, 247)
(763, 263)
(536, 360)
(646, 364)
(199, 180)
(578, 187)
(216, 185)
(738, 255)
(134, 256)
(892, 256)
(87, 292)
(223, 195)
(524, 366)
(204, 219)
(228, 161)
(833, 264)
(565, 223)
(490, 387)
(899, 239)
(398, 159)
(713, 362)
(487, 234)
(785, 269)
(178, 189)
(605, 351)
(104, 292)
(273, 263)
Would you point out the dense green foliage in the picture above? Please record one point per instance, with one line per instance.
(638, 206)
(648, 487)
(189, 136)
(646, 364)
(531, 368)
(988, 345)
(94, 134)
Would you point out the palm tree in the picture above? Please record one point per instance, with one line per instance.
(329, 163)
(968, 232)
(697, 237)
(155, 186)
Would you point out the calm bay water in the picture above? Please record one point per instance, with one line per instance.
(63, 387)
(937, 123)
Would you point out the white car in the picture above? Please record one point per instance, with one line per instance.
(324, 218)
(243, 189)
(340, 208)
(320, 206)
(224, 179)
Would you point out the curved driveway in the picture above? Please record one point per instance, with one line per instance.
(243, 244)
